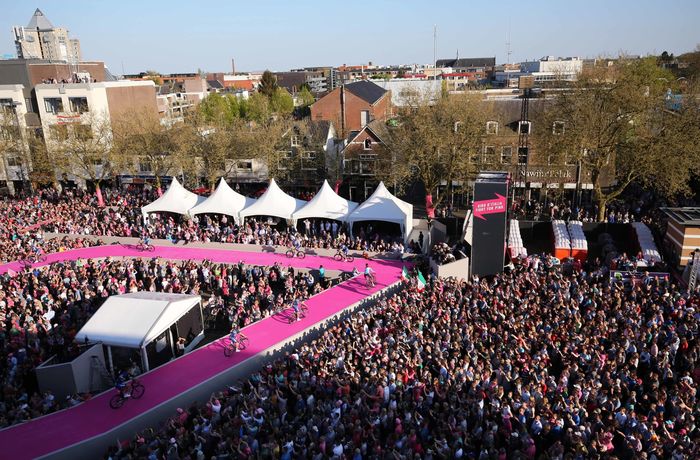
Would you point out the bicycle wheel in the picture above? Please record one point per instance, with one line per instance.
(243, 343)
(116, 402)
(290, 253)
(228, 350)
(349, 259)
(338, 256)
(137, 390)
(301, 254)
(150, 248)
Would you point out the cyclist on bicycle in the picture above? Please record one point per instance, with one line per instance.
(297, 244)
(344, 249)
(296, 306)
(146, 240)
(369, 274)
(234, 337)
(122, 383)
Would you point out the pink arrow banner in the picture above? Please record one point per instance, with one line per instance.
(489, 206)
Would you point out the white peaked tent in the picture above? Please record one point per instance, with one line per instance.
(177, 199)
(224, 200)
(274, 202)
(385, 207)
(144, 321)
(326, 205)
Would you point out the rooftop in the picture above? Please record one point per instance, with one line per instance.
(366, 90)
(684, 216)
(39, 21)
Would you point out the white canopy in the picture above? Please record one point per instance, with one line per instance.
(224, 200)
(274, 202)
(176, 199)
(134, 320)
(327, 205)
(384, 206)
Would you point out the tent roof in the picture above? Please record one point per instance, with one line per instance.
(224, 200)
(327, 204)
(133, 320)
(274, 202)
(176, 199)
(384, 206)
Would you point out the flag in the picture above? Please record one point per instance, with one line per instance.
(421, 282)
(404, 273)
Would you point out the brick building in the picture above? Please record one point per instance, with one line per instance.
(353, 106)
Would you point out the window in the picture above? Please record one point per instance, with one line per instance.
(491, 127)
(489, 154)
(95, 161)
(78, 104)
(368, 157)
(6, 106)
(523, 155)
(145, 166)
(364, 117)
(558, 127)
(53, 104)
(524, 127)
(506, 155)
(82, 132)
(14, 160)
(296, 140)
(309, 155)
(9, 133)
(244, 166)
(59, 132)
(368, 144)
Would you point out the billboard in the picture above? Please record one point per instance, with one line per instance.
(490, 210)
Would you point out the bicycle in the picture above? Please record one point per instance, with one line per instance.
(229, 349)
(143, 247)
(370, 280)
(293, 252)
(137, 390)
(341, 257)
(301, 314)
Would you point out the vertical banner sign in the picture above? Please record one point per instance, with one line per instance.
(490, 211)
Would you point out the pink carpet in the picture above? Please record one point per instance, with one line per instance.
(62, 429)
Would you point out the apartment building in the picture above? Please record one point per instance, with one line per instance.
(353, 106)
(14, 167)
(41, 40)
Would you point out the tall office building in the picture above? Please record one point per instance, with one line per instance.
(41, 40)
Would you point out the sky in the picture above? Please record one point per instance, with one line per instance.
(184, 36)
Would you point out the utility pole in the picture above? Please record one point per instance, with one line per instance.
(435, 51)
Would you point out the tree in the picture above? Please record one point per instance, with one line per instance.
(431, 143)
(13, 145)
(154, 77)
(268, 84)
(85, 150)
(257, 108)
(217, 108)
(305, 96)
(615, 122)
(148, 145)
(281, 102)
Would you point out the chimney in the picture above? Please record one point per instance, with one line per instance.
(342, 109)
(233, 66)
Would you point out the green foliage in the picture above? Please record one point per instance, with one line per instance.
(282, 102)
(305, 96)
(268, 84)
(257, 108)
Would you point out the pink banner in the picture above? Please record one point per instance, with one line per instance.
(489, 206)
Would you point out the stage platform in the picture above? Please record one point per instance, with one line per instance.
(86, 430)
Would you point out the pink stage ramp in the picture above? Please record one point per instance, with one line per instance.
(53, 432)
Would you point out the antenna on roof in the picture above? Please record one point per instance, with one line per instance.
(508, 44)
(434, 51)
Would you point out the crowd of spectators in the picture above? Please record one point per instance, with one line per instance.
(531, 364)
(76, 212)
(41, 310)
